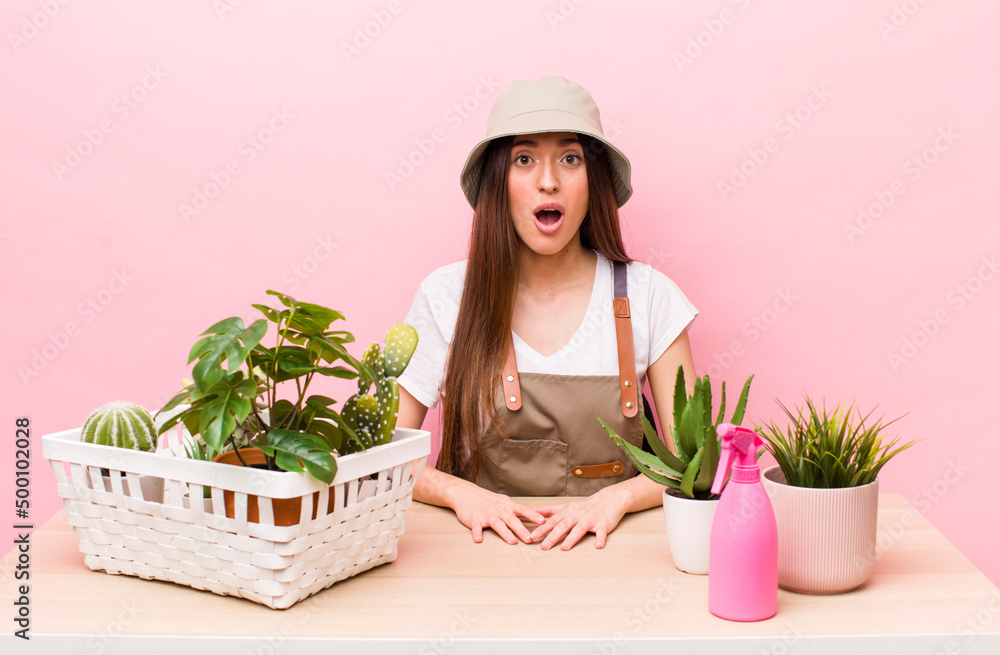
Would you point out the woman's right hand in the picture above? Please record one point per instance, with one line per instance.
(478, 508)
(475, 507)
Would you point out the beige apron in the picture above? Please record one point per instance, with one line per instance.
(554, 444)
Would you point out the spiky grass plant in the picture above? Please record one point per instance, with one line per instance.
(825, 449)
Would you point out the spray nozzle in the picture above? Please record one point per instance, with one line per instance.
(738, 442)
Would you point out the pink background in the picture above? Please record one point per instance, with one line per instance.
(824, 106)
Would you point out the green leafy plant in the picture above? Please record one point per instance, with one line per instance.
(246, 394)
(830, 449)
(692, 470)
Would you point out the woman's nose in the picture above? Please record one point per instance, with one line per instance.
(548, 177)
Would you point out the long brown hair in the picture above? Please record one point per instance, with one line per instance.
(482, 331)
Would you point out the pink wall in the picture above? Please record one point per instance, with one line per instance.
(301, 120)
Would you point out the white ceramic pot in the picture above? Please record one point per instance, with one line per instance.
(151, 486)
(826, 537)
(689, 531)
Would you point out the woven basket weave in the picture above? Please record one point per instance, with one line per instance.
(122, 531)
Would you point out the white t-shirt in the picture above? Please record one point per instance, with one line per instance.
(660, 313)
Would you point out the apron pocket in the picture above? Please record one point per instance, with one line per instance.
(533, 467)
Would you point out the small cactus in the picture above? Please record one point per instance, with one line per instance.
(367, 412)
(400, 342)
(120, 424)
(373, 417)
(387, 392)
(372, 358)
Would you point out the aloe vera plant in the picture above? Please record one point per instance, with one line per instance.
(830, 449)
(240, 393)
(692, 470)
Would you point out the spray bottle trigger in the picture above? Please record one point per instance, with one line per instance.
(725, 432)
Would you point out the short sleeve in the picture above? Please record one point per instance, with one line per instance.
(670, 313)
(432, 315)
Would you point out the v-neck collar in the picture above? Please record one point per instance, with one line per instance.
(599, 280)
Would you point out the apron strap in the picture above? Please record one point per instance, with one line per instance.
(511, 382)
(626, 354)
(626, 351)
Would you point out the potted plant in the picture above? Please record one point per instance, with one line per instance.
(688, 503)
(240, 411)
(129, 426)
(824, 491)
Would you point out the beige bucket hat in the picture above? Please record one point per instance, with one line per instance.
(551, 104)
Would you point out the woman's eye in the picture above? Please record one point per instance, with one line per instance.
(573, 159)
(522, 160)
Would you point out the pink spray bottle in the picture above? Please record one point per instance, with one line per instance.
(743, 556)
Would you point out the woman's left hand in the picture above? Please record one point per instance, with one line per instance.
(599, 513)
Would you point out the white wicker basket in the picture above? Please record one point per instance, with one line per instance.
(122, 531)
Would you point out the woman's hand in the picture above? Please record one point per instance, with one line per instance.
(478, 508)
(599, 513)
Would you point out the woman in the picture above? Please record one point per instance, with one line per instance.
(532, 339)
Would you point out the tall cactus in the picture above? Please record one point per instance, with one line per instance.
(373, 416)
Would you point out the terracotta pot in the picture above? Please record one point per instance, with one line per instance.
(286, 510)
(826, 537)
(689, 530)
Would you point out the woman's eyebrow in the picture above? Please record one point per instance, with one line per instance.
(531, 143)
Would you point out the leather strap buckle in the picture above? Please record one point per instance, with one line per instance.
(609, 470)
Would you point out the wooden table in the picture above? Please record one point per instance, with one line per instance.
(446, 594)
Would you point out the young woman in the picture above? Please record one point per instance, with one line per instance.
(547, 326)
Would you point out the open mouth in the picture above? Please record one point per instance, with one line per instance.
(548, 220)
(549, 216)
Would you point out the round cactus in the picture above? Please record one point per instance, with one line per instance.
(120, 424)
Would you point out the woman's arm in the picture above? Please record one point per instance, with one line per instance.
(601, 512)
(474, 506)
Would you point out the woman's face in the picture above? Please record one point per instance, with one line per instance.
(547, 187)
